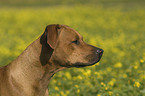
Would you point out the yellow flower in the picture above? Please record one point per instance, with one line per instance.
(54, 81)
(96, 73)
(102, 84)
(118, 65)
(111, 83)
(67, 92)
(124, 76)
(59, 83)
(68, 75)
(143, 76)
(74, 78)
(98, 94)
(62, 93)
(110, 93)
(56, 88)
(78, 90)
(80, 77)
(137, 84)
(87, 73)
(141, 61)
(76, 86)
(109, 69)
(136, 67)
(106, 88)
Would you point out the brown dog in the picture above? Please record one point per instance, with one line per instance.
(58, 48)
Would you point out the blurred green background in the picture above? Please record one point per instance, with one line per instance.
(117, 26)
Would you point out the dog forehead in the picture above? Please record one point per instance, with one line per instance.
(71, 31)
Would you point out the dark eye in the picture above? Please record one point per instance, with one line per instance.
(76, 42)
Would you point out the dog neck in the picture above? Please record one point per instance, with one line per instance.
(33, 69)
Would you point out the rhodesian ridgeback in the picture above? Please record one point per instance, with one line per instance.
(59, 47)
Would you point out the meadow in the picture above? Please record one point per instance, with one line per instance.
(117, 28)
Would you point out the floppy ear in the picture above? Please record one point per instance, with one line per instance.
(52, 35)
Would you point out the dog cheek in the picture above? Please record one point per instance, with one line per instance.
(61, 57)
(90, 57)
(75, 58)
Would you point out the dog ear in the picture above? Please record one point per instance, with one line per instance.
(52, 35)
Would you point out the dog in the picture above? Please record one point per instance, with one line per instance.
(58, 48)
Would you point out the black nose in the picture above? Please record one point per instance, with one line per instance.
(100, 51)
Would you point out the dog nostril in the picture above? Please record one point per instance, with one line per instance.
(99, 51)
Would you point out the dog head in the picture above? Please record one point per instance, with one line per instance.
(69, 49)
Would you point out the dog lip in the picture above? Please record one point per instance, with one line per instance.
(84, 65)
(95, 62)
(98, 59)
(90, 64)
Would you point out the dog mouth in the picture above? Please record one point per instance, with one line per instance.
(92, 62)
(78, 65)
(95, 58)
(92, 59)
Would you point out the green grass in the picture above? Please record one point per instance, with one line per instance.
(118, 29)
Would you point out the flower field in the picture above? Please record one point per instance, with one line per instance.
(118, 29)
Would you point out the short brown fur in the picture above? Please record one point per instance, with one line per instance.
(58, 48)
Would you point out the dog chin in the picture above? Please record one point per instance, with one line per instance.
(78, 64)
